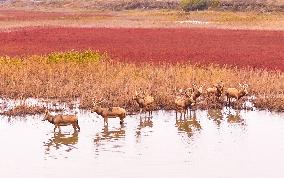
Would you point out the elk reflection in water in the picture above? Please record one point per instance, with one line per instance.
(235, 118)
(107, 134)
(189, 124)
(230, 115)
(145, 122)
(216, 115)
(60, 140)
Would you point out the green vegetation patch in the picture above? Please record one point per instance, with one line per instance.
(77, 57)
(189, 5)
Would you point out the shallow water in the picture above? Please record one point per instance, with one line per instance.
(214, 143)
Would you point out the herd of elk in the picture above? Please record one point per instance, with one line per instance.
(183, 102)
(188, 99)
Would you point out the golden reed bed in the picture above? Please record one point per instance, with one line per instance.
(85, 75)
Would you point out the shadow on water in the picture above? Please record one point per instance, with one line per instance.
(64, 142)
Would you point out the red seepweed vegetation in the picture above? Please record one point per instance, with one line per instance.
(256, 49)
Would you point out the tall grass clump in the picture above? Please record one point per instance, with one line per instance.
(78, 75)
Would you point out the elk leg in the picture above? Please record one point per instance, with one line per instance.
(56, 127)
(77, 125)
(186, 112)
(121, 121)
(105, 121)
(176, 115)
(74, 126)
(227, 100)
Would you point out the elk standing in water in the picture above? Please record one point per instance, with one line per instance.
(197, 92)
(144, 101)
(216, 90)
(62, 120)
(235, 93)
(111, 112)
(183, 102)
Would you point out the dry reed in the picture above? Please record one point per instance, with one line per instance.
(84, 75)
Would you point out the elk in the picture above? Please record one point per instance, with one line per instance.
(111, 112)
(183, 103)
(144, 101)
(216, 90)
(62, 120)
(235, 93)
(185, 92)
(196, 92)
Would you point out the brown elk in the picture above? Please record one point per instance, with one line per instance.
(62, 120)
(144, 101)
(235, 93)
(216, 90)
(111, 112)
(184, 102)
(197, 92)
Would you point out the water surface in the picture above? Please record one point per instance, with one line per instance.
(214, 143)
